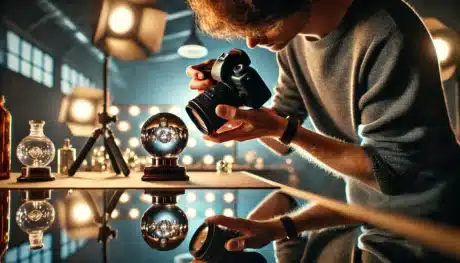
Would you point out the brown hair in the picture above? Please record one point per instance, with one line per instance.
(228, 19)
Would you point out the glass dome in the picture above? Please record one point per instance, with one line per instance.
(35, 217)
(36, 150)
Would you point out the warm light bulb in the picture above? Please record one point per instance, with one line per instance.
(124, 198)
(114, 110)
(134, 213)
(229, 197)
(209, 143)
(191, 142)
(191, 213)
(229, 159)
(229, 144)
(82, 110)
(154, 110)
(175, 110)
(210, 197)
(134, 111)
(115, 214)
(124, 126)
(208, 159)
(209, 212)
(187, 160)
(134, 142)
(121, 20)
(442, 49)
(146, 198)
(82, 213)
(229, 212)
(191, 197)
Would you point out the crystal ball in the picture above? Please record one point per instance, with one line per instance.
(36, 149)
(164, 226)
(164, 135)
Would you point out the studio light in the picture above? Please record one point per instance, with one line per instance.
(82, 213)
(121, 20)
(193, 47)
(130, 30)
(446, 42)
(79, 110)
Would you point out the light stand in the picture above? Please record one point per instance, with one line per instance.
(116, 158)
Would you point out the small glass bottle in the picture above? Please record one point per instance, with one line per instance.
(5, 140)
(4, 220)
(66, 156)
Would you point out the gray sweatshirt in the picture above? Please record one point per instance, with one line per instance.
(375, 81)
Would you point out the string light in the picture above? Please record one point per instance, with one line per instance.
(134, 142)
(134, 110)
(210, 197)
(191, 213)
(114, 110)
(134, 213)
(229, 197)
(124, 126)
(191, 142)
(124, 198)
(154, 110)
(229, 212)
(209, 212)
(191, 197)
(187, 160)
(115, 214)
(146, 198)
(208, 159)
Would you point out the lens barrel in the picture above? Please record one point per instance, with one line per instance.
(202, 109)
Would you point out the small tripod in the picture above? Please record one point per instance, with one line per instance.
(106, 232)
(116, 158)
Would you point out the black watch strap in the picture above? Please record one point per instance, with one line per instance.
(289, 227)
(291, 130)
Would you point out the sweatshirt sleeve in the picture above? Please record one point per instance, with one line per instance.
(287, 100)
(403, 112)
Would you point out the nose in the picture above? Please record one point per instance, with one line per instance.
(252, 42)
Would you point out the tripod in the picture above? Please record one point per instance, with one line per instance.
(105, 231)
(116, 158)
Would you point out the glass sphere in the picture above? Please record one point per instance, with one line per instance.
(164, 226)
(164, 135)
(36, 150)
(35, 217)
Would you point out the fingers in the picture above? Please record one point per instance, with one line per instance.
(200, 84)
(238, 224)
(232, 113)
(240, 133)
(194, 71)
(240, 243)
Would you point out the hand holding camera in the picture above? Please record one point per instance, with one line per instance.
(227, 84)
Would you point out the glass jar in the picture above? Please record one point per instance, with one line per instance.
(36, 150)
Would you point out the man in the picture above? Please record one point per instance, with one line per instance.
(366, 73)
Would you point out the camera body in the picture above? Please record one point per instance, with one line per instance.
(237, 85)
(208, 244)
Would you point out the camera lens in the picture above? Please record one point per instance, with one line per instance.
(202, 109)
(208, 242)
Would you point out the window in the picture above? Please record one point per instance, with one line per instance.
(71, 78)
(28, 60)
(23, 253)
(69, 246)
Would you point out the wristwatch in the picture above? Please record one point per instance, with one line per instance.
(289, 227)
(291, 130)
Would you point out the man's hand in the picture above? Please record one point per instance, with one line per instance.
(247, 124)
(254, 234)
(199, 82)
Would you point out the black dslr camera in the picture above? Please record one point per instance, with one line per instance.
(237, 85)
(208, 244)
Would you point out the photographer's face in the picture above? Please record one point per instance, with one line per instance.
(278, 36)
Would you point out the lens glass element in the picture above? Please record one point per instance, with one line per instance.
(200, 239)
(199, 120)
